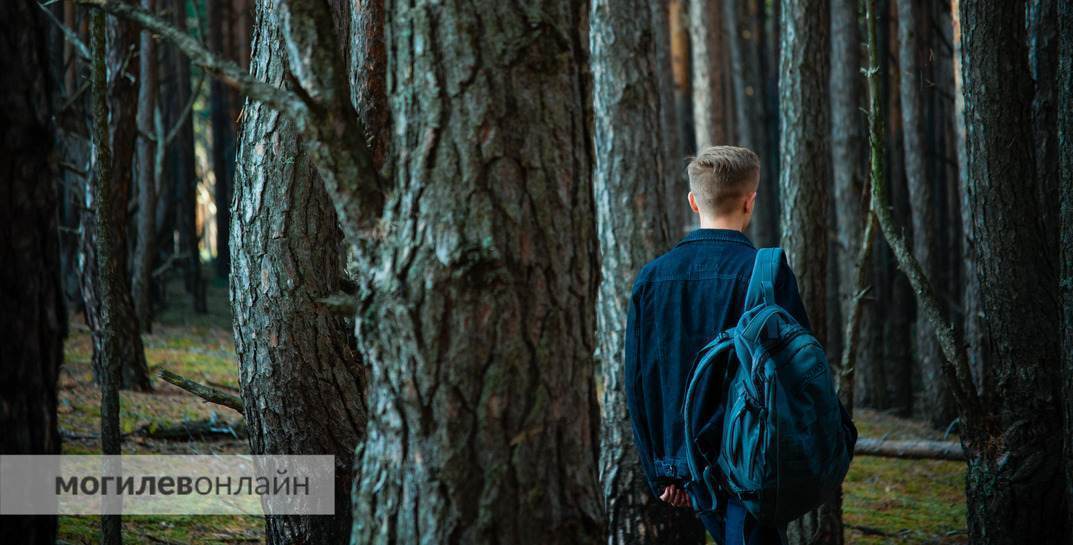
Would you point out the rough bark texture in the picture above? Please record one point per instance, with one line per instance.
(632, 210)
(478, 322)
(1042, 35)
(709, 74)
(32, 314)
(1023, 459)
(120, 124)
(847, 167)
(145, 237)
(938, 404)
(804, 189)
(302, 381)
(1065, 280)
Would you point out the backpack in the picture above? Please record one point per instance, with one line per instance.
(783, 442)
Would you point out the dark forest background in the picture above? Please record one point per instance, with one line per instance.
(403, 233)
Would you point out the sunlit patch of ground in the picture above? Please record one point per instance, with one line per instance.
(886, 501)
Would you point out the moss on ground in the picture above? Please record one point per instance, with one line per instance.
(886, 501)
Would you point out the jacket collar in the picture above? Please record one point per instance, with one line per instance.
(718, 235)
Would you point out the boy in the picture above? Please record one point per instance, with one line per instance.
(680, 301)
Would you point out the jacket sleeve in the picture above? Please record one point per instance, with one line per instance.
(634, 392)
(787, 295)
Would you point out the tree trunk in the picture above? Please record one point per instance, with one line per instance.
(710, 122)
(222, 99)
(1043, 65)
(1017, 288)
(675, 180)
(938, 404)
(32, 317)
(121, 329)
(184, 177)
(285, 256)
(145, 245)
(632, 208)
(478, 324)
(1065, 283)
(847, 156)
(804, 187)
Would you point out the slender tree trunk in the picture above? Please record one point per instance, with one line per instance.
(804, 187)
(678, 26)
(632, 208)
(32, 313)
(938, 403)
(123, 325)
(221, 26)
(710, 123)
(479, 324)
(675, 181)
(285, 241)
(109, 217)
(847, 163)
(184, 175)
(1065, 280)
(1017, 288)
(145, 246)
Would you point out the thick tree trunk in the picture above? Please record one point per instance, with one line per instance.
(1017, 282)
(632, 209)
(145, 238)
(122, 325)
(804, 188)
(1065, 215)
(847, 162)
(479, 322)
(710, 117)
(1043, 64)
(938, 404)
(184, 177)
(32, 313)
(222, 98)
(302, 381)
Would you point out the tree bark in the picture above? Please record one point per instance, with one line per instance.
(1042, 34)
(122, 328)
(710, 122)
(145, 244)
(302, 381)
(676, 182)
(804, 188)
(32, 313)
(480, 318)
(1017, 287)
(633, 207)
(938, 406)
(1065, 281)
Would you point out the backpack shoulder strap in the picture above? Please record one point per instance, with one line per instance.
(762, 282)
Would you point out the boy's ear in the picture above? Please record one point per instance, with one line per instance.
(750, 202)
(693, 203)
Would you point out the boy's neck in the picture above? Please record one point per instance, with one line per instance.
(733, 224)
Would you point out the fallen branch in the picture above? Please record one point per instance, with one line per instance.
(208, 393)
(911, 450)
(198, 429)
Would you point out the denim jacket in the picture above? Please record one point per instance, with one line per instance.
(680, 301)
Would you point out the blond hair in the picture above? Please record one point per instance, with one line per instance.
(719, 176)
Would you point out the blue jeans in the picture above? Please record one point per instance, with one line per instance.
(738, 527)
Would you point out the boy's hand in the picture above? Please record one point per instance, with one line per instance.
(675, 496)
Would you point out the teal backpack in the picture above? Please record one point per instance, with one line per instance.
(783, 442)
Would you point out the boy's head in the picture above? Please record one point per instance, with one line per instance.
(722, 185)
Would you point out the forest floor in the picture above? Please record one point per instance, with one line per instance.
(886, 501)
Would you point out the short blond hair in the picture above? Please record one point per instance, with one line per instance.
(719, 176)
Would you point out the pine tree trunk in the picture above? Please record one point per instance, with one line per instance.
(302, 381)
(938, 403)
(145, 243)
(804, 188)
(710, 122)
(122, 327)
(675, 181)
(1017, 287)
(847, 160)
(479, 322)
(32, 317)
(1065, 282)
(222, 99)
(632, 208)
